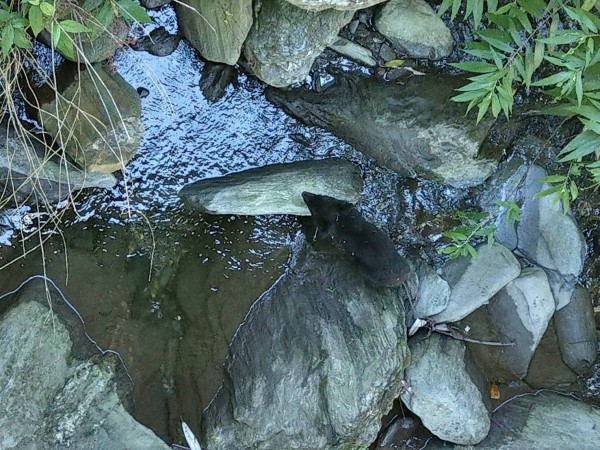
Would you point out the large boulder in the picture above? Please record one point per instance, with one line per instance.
(413, 129)
(285, 40)
(414, 27)
(473, 282)
(100, 125)
(316, 364)
(216, 28)
(447, 390)
(52, 399)
(32, 174)
(318, 5)
(275, 189)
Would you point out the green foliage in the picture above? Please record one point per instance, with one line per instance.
(522, 37)
(476, 227)
(20, 21)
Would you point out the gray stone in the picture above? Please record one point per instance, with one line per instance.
(354, 51)
(316, 364)
(414, 27)
(153, 4)
(275, 189)
(544, 421)
(319, 5)
(433, 293)
(413, 129)
(576, 332)
(103, 131)
(285, 40)
(562, 287)
(447, 390)
(547, 369)
(52, 400)
(475, 281)
(159, 42)
(216, 28)
(520, 314)
(546, 235)
(35, 177)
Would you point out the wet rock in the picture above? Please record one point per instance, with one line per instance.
(268, 190)
(412, 129)
(354, 51)
(520, 314)
(36, 177)
(51, 399)
(316, 364)
(398, 432)
(106, 126)
(153, 4)
(447, 390)
(214, 80)
(101, 48)
(216, 28)
(158, 43)
(545, 421)
(546, 236)
(433, 294)
(285, 40)
(547, 369)
(576, 332)
(319, 5)
(474, 282)
(414, 27)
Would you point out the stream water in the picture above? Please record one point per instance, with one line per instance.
(167, 287)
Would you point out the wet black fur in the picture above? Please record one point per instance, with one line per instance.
(359, 239)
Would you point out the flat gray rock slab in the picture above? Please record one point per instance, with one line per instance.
(414, 27)
(316, 364)
(474, 282)
(433, 293)
(354, 51)
(275, 189)
(447, 390)
(318, 5)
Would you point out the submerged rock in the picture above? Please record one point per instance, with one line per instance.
(214, 80)
(158, 43)
(274, 189)
(413, 129)
(285, 40)
(35, 177)
(100, 126)
(316, 364)
(51, 399)
(216, 28)
(414, 27)
(447, 390)
(544, 421)
(474, 282)
(576, 332)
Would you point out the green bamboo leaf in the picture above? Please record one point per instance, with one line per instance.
(22, 39)
(579, 88)
(534, 7)
(564, 38)
(538, 54)
(552, 179)
(455, 8)
(495, 105)
(523, 19)
(475, 66)
(574, 191)
(496, 39)
(65, 46)
(468, 96)
(548, 191)
(553, 79)
(492, 5)
(483, 108)
(591, 125)
(56, 34)
(585, 143)
(565, 201)
(448, 250)
(478, 12)
(580, 17)
(446, 4)
(471, 251)
(105, 16)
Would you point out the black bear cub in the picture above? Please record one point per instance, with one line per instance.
(373, 250)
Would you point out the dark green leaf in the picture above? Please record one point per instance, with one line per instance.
(47, 9)
(475, 66)
(70, 26)
(132, 11)
(553, 79)
(36, 20)
(548, 191)
(552, 179)
(8, 38)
